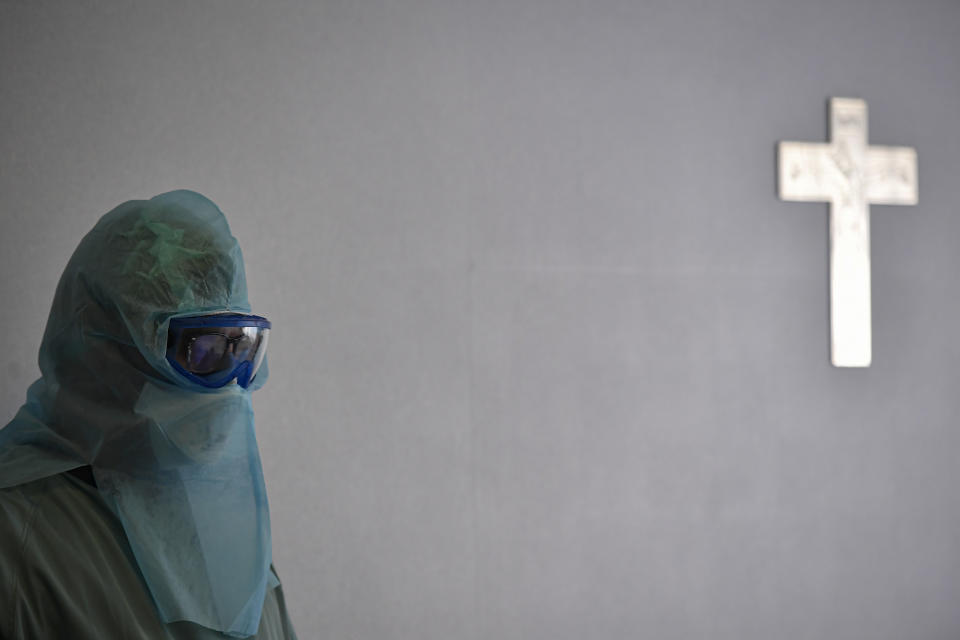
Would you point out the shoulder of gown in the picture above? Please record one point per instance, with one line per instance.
(67, 571)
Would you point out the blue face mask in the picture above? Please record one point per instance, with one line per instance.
(171, 442)
(198, 522)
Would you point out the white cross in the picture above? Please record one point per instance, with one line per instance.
(850, 176)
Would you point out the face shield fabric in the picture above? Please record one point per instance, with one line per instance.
(175, 461)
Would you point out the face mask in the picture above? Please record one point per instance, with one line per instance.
(195, 511)
(195, 427)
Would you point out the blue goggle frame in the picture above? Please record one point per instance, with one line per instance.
(185, 352)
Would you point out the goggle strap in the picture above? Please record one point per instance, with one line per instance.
(199, 322)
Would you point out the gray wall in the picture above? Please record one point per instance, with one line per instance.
(550, 359)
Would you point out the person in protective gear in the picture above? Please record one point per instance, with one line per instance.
(132, 500)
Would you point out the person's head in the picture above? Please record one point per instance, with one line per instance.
(148, 271)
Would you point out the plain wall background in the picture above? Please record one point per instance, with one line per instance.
(550, 358)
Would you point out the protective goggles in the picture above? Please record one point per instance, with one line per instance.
(213, 350)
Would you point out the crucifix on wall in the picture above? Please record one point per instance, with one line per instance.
(851, 176)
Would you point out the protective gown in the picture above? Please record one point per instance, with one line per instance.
(132, 502)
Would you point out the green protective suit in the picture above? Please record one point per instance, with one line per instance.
(132, 500)
(66, 571)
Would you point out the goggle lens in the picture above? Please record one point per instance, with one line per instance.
(212, 352)
(260, 353)
(205, 353)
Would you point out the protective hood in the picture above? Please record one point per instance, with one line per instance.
(176, 462)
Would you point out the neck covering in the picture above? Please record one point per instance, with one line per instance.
(177, 463)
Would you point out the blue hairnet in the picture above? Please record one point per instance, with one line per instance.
(176, 462)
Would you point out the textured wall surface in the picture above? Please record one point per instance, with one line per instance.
(550, 358)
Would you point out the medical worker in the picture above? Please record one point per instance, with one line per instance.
(132, 502)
